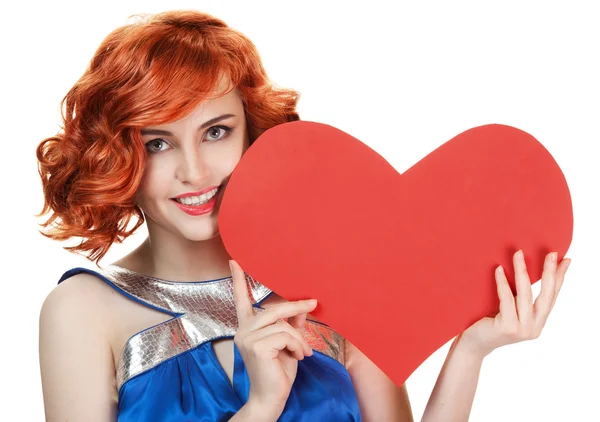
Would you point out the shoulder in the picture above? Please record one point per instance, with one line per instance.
(80, 306)
(81, 297)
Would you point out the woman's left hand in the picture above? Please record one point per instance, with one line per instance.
(519, 318)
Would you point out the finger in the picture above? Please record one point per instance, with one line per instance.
(508, 310)
(298, 321)
(543, 303)
(560, 276)
(277, 342)
(282, 310)
(279, 328)
(560, 273)
(243, 304)
(524, 295)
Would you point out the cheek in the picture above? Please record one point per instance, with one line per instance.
(154, 183)
(227, 159)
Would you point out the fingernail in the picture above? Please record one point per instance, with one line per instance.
(311, 302)
(500, 270)
(231, 266)
(553, 257)
(520, 253)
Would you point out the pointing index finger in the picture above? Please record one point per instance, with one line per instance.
(243, 304)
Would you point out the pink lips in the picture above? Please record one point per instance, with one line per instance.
(197, 209)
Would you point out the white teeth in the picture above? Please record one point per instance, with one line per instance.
(198, 200)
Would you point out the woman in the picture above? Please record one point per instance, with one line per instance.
(171, 332)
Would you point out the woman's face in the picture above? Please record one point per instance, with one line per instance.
(189, 162)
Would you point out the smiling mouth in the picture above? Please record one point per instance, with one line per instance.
(196, 200)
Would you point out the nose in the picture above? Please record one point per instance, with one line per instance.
(192, 169)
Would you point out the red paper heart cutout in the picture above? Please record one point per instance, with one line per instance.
(400, 264)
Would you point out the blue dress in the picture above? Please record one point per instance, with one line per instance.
(169, 372)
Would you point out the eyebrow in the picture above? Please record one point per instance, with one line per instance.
(204, 125)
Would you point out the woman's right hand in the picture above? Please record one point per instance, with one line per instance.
(269, 346)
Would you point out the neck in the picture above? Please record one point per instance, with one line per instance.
(177, 259)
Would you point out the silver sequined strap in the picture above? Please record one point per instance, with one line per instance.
(325, 340)
(206, 312)
(178, 297)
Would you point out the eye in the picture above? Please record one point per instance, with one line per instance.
(216, 133)
(156, 145)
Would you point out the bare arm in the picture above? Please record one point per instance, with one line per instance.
(380, 400)
(453, 394)
(78, 374)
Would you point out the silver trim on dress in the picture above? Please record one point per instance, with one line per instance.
(206, 311)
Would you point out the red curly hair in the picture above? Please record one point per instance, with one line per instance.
(151, 72)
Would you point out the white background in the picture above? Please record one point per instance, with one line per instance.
(404, 79)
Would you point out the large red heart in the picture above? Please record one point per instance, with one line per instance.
(400, 264)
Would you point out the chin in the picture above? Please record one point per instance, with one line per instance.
(201, 238)
(196, 230)
(199, 234)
